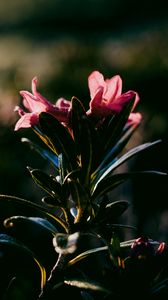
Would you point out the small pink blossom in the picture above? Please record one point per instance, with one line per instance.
(134, 118)
(162, 248)
(142, 248)
(107, 98)
(35, 103)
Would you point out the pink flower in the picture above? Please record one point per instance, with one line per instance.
(162, 248)
(107, 98)
(35, 103)
(134, 118)
(142, 248)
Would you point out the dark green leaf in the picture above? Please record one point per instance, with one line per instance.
(86, 285)
(82, 138)
(43, 138)
(46, 154)
(114, 128)
(80, 198)
(17, 251)
(87, 253)
(37, 234)
(34, 221)
(60, 138)
(86, 140)
(109, 183)
(52, 202)
(86, 152)
(160, 286)
(77, 113)
(37, 208)
(111, 154)
(47, 183)
(114, 248)
(111, 212)
(103, 173)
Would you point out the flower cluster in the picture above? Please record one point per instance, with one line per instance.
(106, 99)
(72, 241)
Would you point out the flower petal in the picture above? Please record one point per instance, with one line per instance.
(134, 118)
(37, 95)
(27, 120)
(95, 81)
(113, 88)
(33, 104)
(34, 85)
(19, 110)
(96, 103)
(62, 103)
(119, 102)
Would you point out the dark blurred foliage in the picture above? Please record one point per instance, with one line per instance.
(62, 42)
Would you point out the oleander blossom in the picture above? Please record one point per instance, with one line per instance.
(35, 103)
(107, 98)
(143, 247)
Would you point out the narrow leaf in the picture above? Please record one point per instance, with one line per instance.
(77, 113)
(98, 176)
(112, 181)
(34, 221)
(86, 140)
(86, 152)
(86, 253)
(37, 208)
(16, 246)
(86, 285)
(114, 151)
(46, 154)
(80, 198)
(60, 138)
(116, 124)
(47, 183)
(110, 212)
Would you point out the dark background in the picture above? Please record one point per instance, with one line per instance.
(62, 42)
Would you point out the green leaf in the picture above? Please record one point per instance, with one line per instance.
(86, 152)
(36, 208)
(17, 251)
(19, 288)
(60, 138)
(114, 249)
(87, 253)
(82, 138)
(43, 138)
(86, 285)
(81, 200)
(86, 140)
(47, 183)
(112, 181)
(103, 173)
(114, 151)
(46, 154)
(159, 288)
(115, 125)
(110, 212)
(52, 202)
(77, 113)
(37, 234)
(34, 221)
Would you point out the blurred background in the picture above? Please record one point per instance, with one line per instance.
(62, 42)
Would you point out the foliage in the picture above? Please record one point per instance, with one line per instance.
(70, 245)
